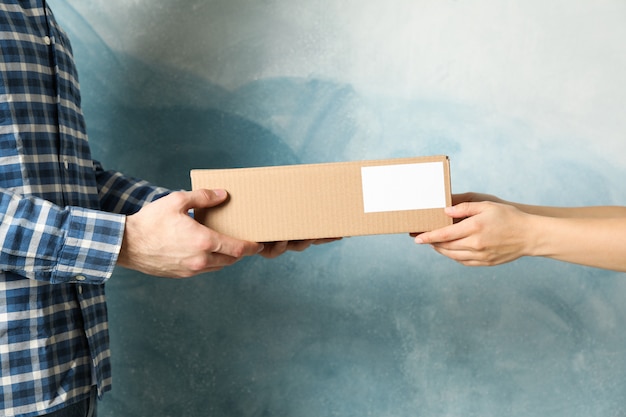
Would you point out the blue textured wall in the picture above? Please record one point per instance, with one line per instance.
(527, 98)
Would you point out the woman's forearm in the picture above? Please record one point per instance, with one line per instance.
(592, 212)
(591, 241)
(550, 211)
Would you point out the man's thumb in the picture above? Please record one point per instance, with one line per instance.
(206, 198)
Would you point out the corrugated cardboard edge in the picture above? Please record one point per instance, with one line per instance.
(308, 201)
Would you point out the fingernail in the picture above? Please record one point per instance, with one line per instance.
(261, 249)
(219, 193)
(419, 241)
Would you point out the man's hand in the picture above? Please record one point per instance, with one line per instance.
(275, 249)
(163, 240)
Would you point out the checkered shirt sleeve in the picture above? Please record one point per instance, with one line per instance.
(61, 222)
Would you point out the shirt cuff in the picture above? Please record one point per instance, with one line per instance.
(91, 247)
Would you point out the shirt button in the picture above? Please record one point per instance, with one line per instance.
(47, 40)
(80, 278)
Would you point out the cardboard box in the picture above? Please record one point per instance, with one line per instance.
(313, 201)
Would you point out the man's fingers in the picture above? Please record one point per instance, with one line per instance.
(235, 248)
(274, 249)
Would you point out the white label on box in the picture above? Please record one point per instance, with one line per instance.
(403, 187)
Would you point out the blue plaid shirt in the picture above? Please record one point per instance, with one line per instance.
(61, 222)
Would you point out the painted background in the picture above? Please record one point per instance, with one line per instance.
(526, 97)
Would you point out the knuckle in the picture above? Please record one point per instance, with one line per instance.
(238, 251)
(206, 243)
(195, 266)
(177, 197)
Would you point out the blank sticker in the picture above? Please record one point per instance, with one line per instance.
(403, 187)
